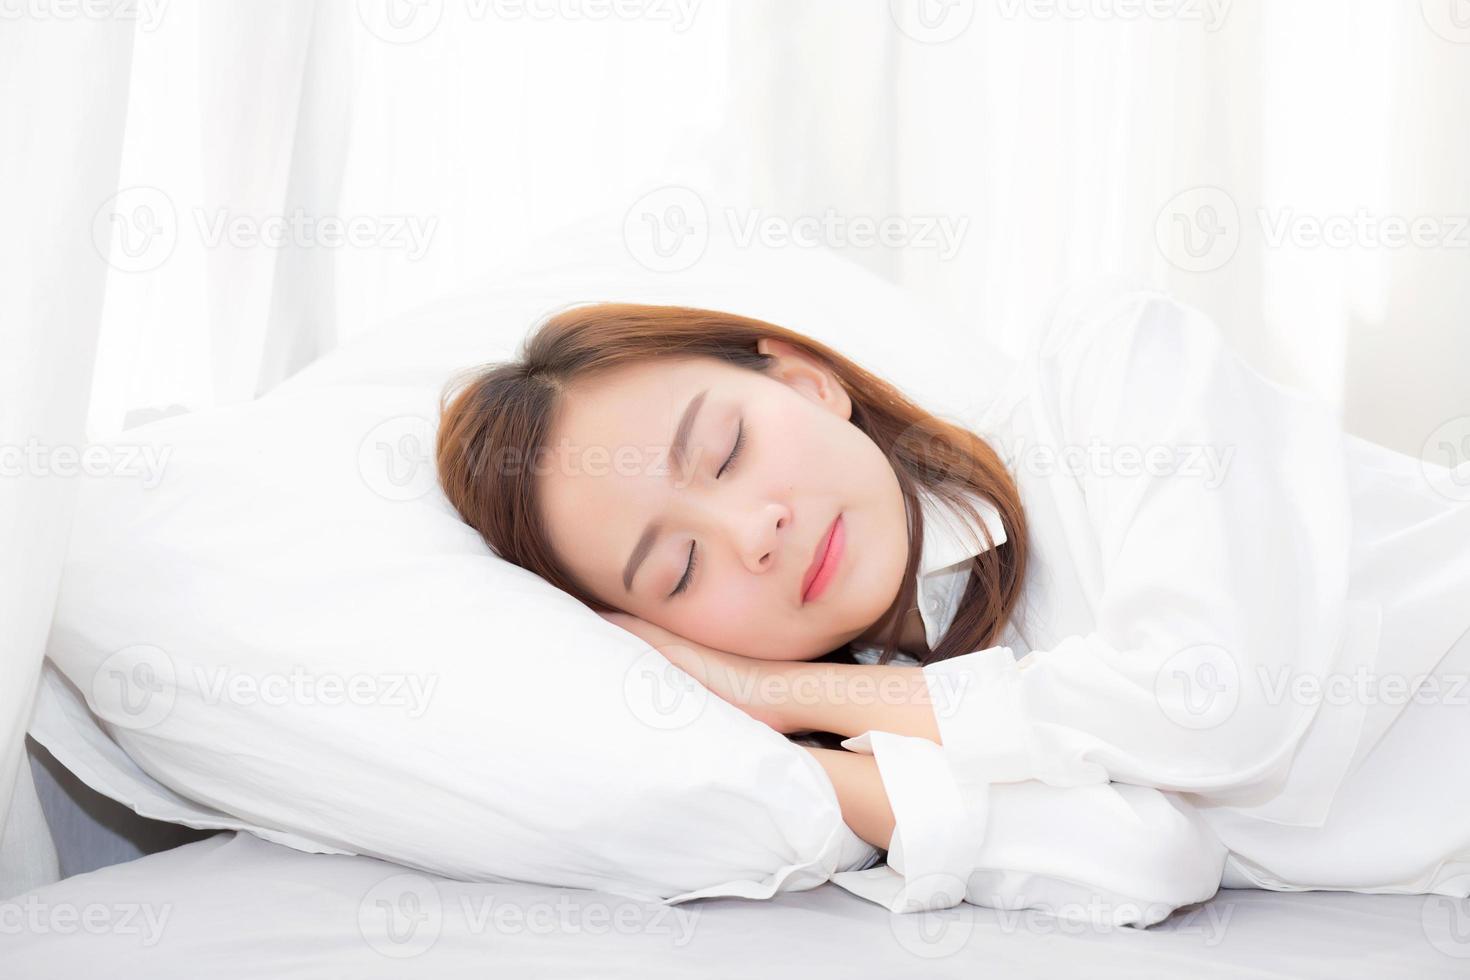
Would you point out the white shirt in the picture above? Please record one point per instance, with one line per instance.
(1158, 739)
(950, 542)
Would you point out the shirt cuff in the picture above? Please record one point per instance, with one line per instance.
(937, 831)
(978, 712)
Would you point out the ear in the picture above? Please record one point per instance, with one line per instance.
(806, 375)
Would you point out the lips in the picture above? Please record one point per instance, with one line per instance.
(823, 546)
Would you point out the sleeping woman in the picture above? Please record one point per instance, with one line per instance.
(1148, 625)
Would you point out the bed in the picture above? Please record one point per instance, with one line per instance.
(233, 905)
(141, 898)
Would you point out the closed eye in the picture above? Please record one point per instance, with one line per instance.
(734, 453)
(694, 558)
(688, 573)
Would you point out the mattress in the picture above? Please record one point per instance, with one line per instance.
(233, 905)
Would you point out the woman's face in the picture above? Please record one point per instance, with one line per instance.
(624, 511)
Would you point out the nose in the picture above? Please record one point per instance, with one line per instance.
(758, 535)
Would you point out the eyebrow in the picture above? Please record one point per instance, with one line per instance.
(678, 451)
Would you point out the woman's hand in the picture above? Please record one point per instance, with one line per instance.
(756, 687)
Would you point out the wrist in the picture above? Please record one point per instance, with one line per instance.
(850, 699)
(793, 693)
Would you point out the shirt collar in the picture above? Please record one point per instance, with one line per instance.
(944, 563)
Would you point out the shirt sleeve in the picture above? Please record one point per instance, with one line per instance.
(1106, 854)
(1213, 587)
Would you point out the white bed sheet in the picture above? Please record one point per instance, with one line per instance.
(238, 906)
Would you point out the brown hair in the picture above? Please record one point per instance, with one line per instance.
(505, 412)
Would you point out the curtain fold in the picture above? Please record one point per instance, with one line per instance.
(1212, 148)
(237, 135)
(28, 853)
(63, 104)
(1021, 146)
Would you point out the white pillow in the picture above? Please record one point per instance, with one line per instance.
(292, 632)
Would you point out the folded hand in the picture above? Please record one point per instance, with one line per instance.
(756, 687)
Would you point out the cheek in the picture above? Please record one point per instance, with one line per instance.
(798, 449)
(821, 442)
(736, 608)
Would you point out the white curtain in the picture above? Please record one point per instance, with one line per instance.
(236, 138)
(1083, 139)
(63, 97)
(1055, 141)
(314, 168)
(212, 195)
